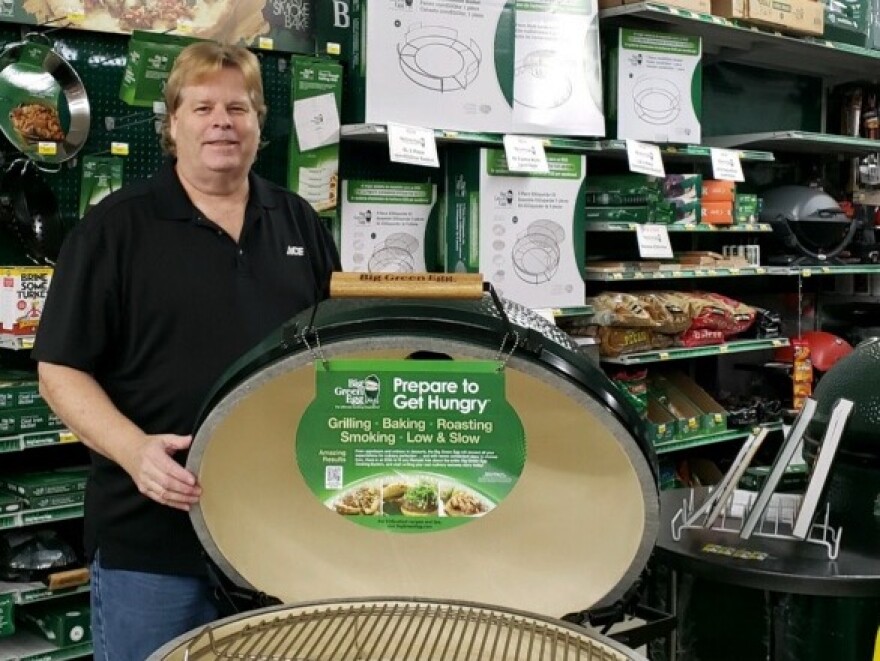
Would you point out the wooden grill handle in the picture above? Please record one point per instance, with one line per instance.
(406, 285)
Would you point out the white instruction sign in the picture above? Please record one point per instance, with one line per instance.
(525, 154)
(653, 242)
(644, 158)
(726, 164)
(413, 145)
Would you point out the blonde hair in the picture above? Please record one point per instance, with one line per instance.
(201, 59)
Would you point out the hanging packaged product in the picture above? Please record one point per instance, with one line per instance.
(101, 175)
(313, 162)
(522, 231)
(485, 65)
(23, 292)
(383, 226)
(150, 58)
(801, 372)
(654, 89)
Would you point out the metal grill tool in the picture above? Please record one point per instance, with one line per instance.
(400, 631)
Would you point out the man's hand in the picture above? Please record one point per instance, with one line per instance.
(159, 477)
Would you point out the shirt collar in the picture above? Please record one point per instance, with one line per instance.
(172, 203)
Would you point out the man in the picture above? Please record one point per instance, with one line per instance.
(159, 289)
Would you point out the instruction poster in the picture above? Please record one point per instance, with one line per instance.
(410, 446)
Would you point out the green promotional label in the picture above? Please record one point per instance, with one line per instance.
(410, 446)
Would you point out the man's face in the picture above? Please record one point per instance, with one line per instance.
(215, 128)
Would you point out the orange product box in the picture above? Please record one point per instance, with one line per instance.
(22, 294)
(716, 190)
(717, 213)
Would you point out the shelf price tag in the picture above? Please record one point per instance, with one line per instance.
(654, 242)
(726, 164)
(47, 148)
(525, 154)
(119, 148)
(644, 158)
(413, 145)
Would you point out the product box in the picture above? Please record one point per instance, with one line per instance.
(9, 503)
(660, 423)
(23, 292)
(482, 65)
(718, 190)
(717, 213)
(714, 416)
(7, 620)
(150, 58)
(101, 175)
(26, 421)
(654, 88)
(687, 416)
(523, 232)
(794, 16)
(848, 21)
(19, 389)
(622, 190)
(282, 26)
(56, 500)
(661, 213)
(699, 6)
(313, 155)
(387, 226)
(63, 623)
(46, 483)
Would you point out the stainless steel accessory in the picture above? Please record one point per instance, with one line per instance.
(385, 630)
(44, 110)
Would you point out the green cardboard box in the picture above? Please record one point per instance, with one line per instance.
(713, 418)
(46, 483)
(7, 621)
(63, 622)
(29, 420)
(19, 390)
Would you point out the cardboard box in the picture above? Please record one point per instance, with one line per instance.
(23, 292)
(714, 416)
(7, 610)
(794, 16)
(849, 21)
(479, 66)
(281, 26)
(654, 86)
(718, 190)
(717, 213)
(101, 175)
(25, 421)
(313, 154)
(63, 623)
(46, 483)
(687, 416)
(10, 503)
(659, 213)
(660, 423)
(524, 232)
(19, 389)
(385, 226)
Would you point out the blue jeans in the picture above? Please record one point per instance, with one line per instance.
(135, 613)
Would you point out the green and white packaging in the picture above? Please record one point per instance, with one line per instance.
(529, 66)
(384, 226)
(654, 90)
(523, 232)
(150, 58)
(101, 175)
(7, 620)
(313, 163)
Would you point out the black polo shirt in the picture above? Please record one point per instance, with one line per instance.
(156, 301)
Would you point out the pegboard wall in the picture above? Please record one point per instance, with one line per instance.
(99, 59)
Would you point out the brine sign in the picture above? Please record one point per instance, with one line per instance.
(410, 445)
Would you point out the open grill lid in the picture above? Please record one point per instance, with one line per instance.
(575, 529)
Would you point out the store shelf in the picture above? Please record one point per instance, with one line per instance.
(744, 228)
(27, 518)
(26, 646)
(28, 593)
(379, 133)
(688, 151)
(678, 274)
(731, 435)
(36, 440)
(729, 41)
(798, 142)
(681, 353)
(807, 271)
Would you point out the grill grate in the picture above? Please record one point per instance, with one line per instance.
(399, 631)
